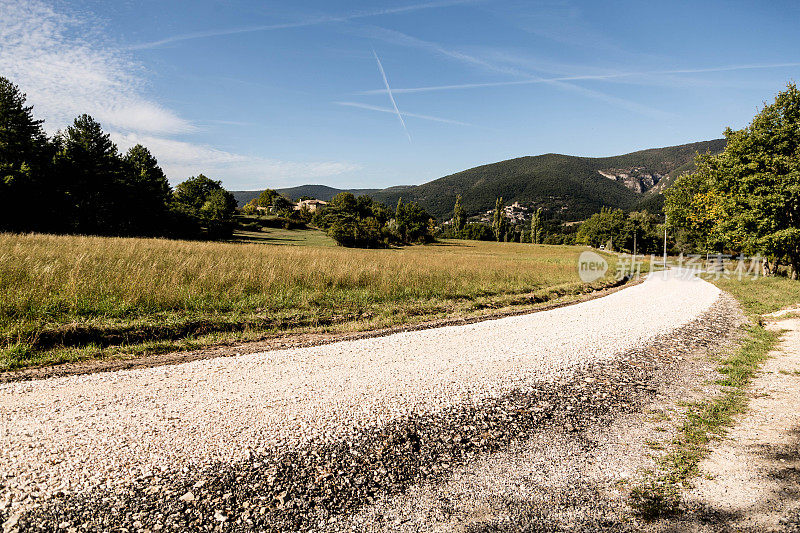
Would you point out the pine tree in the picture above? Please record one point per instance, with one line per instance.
(92, 172)
(148, 192)
(24, 157)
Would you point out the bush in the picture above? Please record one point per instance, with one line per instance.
(362, 223)
(477, 232)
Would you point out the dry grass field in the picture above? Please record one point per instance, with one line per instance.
(65, 298)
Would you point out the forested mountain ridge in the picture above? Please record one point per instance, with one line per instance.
(571, 187)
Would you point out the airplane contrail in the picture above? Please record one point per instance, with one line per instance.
(391, 96)
(579, 77)
(405, 114)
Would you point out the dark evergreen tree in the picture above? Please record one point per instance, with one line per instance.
(148, 192)
(24, 164)
(92, 180)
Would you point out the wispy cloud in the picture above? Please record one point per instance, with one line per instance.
(228, 122)
(403, 113)
(65, 76)
(391, 96)
(579, 77)
(184, 159)
(313, 21)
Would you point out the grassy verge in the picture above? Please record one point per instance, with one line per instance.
(658, 494)
(763, 295)
(68, 298)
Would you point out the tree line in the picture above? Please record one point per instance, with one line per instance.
(77, 181)
(540, 229)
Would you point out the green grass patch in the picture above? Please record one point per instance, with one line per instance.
(763, 295)
(280, 236)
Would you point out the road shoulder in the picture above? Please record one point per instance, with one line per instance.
(751, 480)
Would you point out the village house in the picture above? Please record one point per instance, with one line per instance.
(312, 205)
(515, 213)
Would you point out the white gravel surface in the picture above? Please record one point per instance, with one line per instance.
(75, 432)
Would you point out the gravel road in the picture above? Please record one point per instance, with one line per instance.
(83, 438)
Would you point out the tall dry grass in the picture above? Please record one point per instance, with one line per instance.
(49, 282)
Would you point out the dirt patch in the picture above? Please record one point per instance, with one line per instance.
(278, 342)
(751, 480)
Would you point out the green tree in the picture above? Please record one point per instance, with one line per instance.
(24, 153)
(92, 179)
(351, 222)
(206, 202)
(748, 197)
(499, 221)
(697, 211)
(364, 223)
(149, 192)
(193, 193)
(266, 198)
(537, 228)
(282, 206)
(218, 206)
(459, 216)
(251, 207)
(603, 228)
(477, 232)
(642, 227)
(398, 228)
(416, 223)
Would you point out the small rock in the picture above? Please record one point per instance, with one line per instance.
(11, 523)
(188, 497)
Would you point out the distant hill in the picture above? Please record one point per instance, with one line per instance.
(573, 186)
(569, 186)
(320, 192)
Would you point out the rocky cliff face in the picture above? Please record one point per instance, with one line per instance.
(637, 179)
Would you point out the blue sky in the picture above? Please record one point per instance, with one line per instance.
(274, 94)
